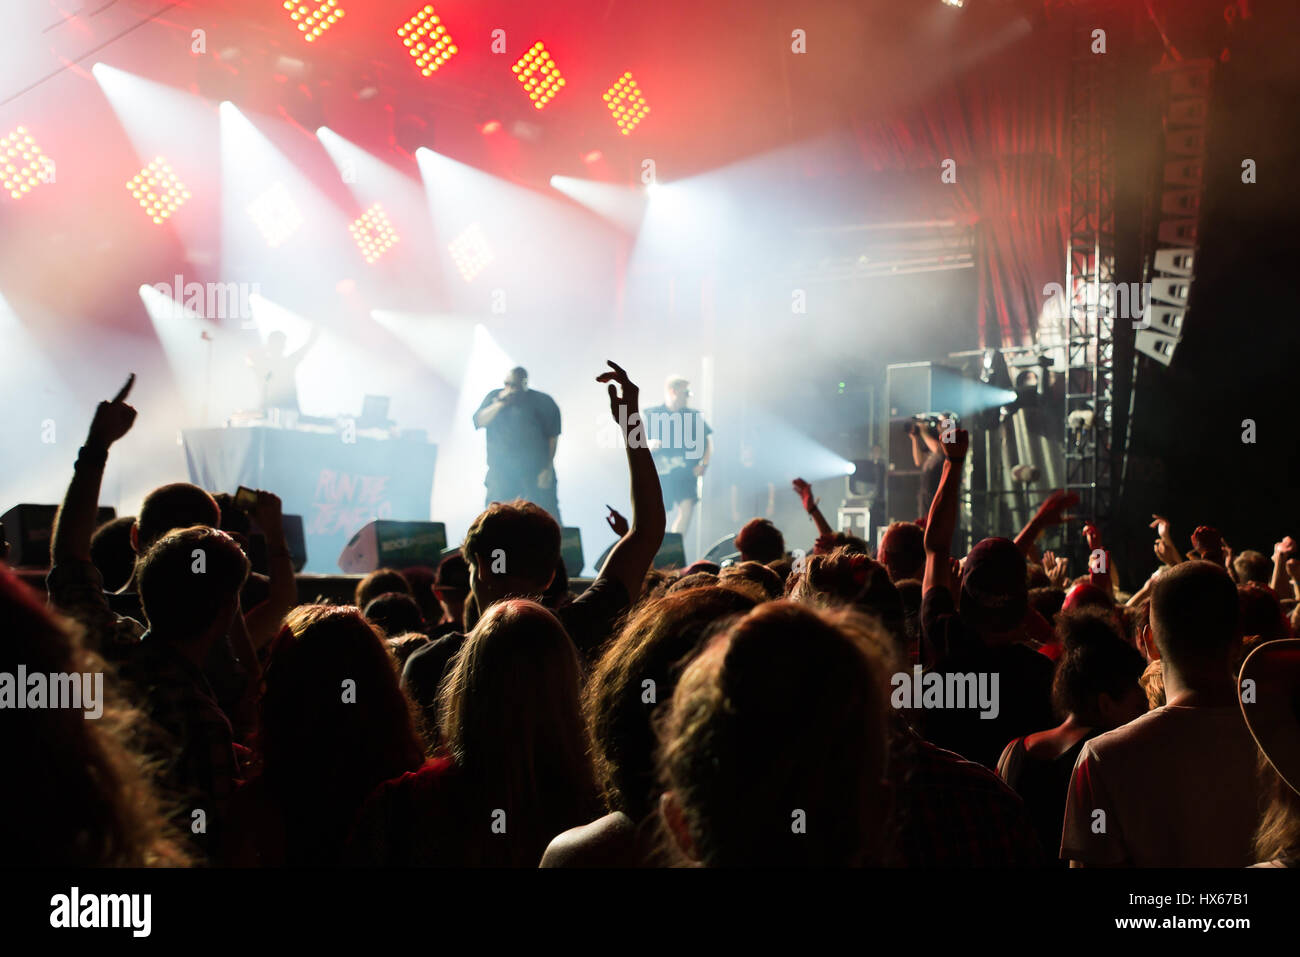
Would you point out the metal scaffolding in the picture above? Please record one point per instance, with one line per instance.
(1090, 285)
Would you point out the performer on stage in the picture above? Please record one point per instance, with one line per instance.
(277, 371)
(523, 428)
(681, 443)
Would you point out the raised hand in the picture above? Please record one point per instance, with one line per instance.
(617, 523)
(268, 512)
(1208, 543)
(112, 419)
(1092, 536)
(955, 443)
(805, 493)
(624, 398)
(1055, 510)
(1057, 568)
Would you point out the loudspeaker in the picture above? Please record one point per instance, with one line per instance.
(571, 550)
(387, 544)
(723, 548)
(672, 553)
(29, 528)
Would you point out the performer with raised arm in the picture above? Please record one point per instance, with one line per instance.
(523, 429)
(682, 444)
(277, 371)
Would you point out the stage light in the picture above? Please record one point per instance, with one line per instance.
(25, 167)
(490, 127)
(626, 104)
(314, 20)
(539, 75)
(954, 3)
(276, 215)
(373, 233)
(595, 156)
(471, 252)
(427, 40)
(158, 190)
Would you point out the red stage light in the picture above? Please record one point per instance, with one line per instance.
(471, 252)
(427, 40)
(24, 165)
(158, 190)
(314, 19)
(626, 104)
(373, 233)
(539, 75)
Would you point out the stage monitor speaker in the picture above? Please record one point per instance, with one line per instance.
(29, 528)
(672, 553)
(722, 549)
(571, 551)
(389, 544)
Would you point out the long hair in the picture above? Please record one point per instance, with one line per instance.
(774, 747)
(82, 794)
(845, 577)
(510, 719)
(333, 724)
(1279, 827)
(638, 672)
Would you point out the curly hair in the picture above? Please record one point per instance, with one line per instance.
(774, 747)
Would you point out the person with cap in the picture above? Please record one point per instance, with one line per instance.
(1269, 692)
(982, 633)
(1177, 787)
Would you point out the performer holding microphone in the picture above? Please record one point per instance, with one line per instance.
(523, 429)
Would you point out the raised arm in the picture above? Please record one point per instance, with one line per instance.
(1101, 574)
(633, 554)
(918, 451)
(74, 524)
(805, 493)
(264, 620)
(942, 521)
(312, 338)
(1051, 512)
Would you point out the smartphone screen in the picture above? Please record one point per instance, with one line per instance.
(245, 498)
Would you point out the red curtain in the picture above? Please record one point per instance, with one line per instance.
(1004, 122)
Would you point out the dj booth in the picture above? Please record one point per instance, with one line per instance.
(336, 486)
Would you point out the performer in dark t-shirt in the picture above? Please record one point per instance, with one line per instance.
(680, 441)
(523, 428)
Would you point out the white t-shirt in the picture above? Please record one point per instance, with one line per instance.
(1177, 787)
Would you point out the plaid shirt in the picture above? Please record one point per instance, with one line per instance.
(951, 812)
(190, 733)
(76, 589)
